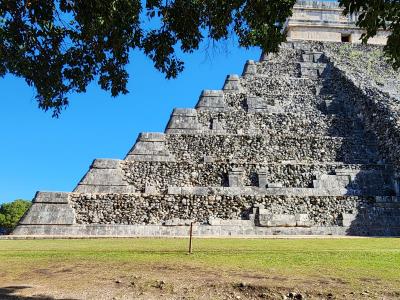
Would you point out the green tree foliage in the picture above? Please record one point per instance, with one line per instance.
(60, 46)
(376, 14)
(11, 213)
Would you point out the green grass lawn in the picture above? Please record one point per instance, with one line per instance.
(337, 257)
(357, 262)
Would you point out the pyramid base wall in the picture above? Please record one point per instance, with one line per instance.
(60, 214)
(198, 230)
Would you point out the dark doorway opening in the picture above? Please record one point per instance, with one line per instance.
(346, 38)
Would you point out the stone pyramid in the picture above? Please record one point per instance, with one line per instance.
(293, 146)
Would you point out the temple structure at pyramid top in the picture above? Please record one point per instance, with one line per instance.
(305, 141)
(324, 21)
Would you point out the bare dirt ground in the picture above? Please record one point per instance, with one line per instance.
(165, 281)
(218, 269)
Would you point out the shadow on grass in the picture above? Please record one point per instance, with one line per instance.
(7, 293)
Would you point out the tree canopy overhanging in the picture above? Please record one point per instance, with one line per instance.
(60, 46)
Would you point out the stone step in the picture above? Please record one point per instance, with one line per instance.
(199, 230)
(274, 189)
(272, 69)
(209, 172)
(274, 148)
(284, 55)
(271, 103)
(130, 209)
(264, 122)
(71, 209)
(277, 85)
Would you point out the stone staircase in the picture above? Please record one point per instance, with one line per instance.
(279, 150)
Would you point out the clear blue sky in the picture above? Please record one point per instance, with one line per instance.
(41, 153)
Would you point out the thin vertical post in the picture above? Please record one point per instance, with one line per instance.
(190, 237)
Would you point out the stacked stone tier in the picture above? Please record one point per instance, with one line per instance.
(372, 179)
(274, 69)
(313, 123)
(155, 209)
(274, 148)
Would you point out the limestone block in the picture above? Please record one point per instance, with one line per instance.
(287, 45)
(237, 222)
(387, 199)
(174, 190)
(212, 100)
(274, 185)
(347, 219)
(49, 209)
(183, 120)
(301, 46)
(308, 57)
(208, 159)
(352, 173)
(312, 57)
(51, 197)
(195, 190)
(49, 214)
(266, 56)
(331, 107)
(331, 182)
(149, 189)
(177, 222)
(312, 70)
(218, 126)
(262, 211)
(106, 163)
(235, 177)
(277, 220)
(367, 182)
(152, 137)
(150, 146)
(256, 104)
(318, 57)
(105, 189)
(232, 83)
(309, 72)
(214, 221)
(250, 69)
(177, 231)
(262, 178)
(252, 215)
(104, 176)
(302, 220)
(259, 206)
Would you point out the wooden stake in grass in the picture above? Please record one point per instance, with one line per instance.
(190, 237)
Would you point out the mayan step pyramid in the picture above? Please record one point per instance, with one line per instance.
(293, 146)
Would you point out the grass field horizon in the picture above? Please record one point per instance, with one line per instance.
(148, 268)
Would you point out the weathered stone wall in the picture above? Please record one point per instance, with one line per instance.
(161, 175)
(157, 209)
(375, 88)
(242, 122)
(280, 68)
(274, 148)
(325, 21)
